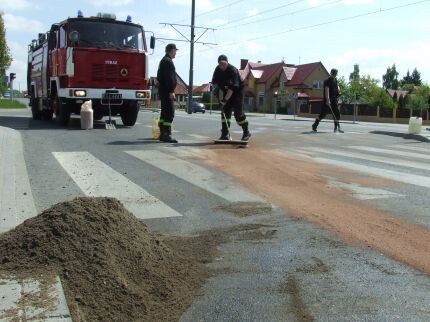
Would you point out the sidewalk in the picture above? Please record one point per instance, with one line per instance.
(28, 299)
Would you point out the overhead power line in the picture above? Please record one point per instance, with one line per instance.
(282, 15)
(216, 9)
(381, 10)
(260, 13)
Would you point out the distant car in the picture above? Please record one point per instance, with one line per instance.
(198, 107)
(6, 94)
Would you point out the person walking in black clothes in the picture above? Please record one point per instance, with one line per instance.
(330, 103)
(166, 76)
(227, 79)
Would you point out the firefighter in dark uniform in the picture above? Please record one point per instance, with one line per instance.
(331, 94)
(166, 77)
(226, 78)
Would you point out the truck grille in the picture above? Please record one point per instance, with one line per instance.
(109, 73)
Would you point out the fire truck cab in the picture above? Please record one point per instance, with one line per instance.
(89, 58)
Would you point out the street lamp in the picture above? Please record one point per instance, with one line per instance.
(275, 95)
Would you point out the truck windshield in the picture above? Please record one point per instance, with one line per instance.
(105, 35)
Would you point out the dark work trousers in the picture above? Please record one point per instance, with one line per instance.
(326, 110)
(167, 110)
(234, 104)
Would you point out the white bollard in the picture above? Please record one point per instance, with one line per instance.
(87, 115)
(415, 124)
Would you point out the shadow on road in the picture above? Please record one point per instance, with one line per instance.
(27, 123)
(405, 136)
(145, 141)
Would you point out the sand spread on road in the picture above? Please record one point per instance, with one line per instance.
(297, 185)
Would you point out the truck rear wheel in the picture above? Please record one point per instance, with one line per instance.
(61, 110)
(129, 113)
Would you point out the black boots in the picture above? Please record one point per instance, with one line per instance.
(246, 134)
(166, 134)
(337, 128)
(224, 132)
(315, 125)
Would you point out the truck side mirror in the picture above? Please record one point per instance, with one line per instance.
(152, 42)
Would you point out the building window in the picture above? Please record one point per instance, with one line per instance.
(284, 84)
(318, 84)
(260, 98)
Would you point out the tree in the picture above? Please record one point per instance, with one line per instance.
(373, 95)
(416, 77)
(419, 100)
(5, 57)
(355, 75)
(389, 80)
(407, 79)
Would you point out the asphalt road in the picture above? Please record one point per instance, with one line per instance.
(275, 267)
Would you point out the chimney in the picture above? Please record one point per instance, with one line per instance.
(243, 63)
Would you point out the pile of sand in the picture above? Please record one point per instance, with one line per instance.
(111, 266)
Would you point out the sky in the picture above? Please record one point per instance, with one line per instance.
(375, 34)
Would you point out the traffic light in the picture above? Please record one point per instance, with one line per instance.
(12, 76)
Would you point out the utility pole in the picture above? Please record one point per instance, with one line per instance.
(190, 83)
(192, 41)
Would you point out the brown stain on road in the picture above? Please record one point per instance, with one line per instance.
(297, 185)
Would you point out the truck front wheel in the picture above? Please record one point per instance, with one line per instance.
(129, 113)
(61, 110)
(35, 109)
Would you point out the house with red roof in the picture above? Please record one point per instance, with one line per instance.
(181, 89)
(286, 87)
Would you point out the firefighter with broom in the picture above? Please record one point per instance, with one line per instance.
(331, 95)
(226, 78)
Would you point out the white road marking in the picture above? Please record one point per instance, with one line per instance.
(202, 137)
(197, 175)
(422, 181)
(364, 193)
(368, 157)
(96, 179)
(28, 293)
(392, 152)
(16, 197)
(413, 148)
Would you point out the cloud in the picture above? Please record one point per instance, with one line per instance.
(22, 24)
(201, 5)
(252, 13)
(314, 3)
(9, 5)
(111, 3)
(358, 1)
(375, 61)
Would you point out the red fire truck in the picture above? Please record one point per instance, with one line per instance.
(82, 58)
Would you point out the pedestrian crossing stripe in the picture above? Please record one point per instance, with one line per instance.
(375, 158)
(392, 152)
(197, 175)
(96, 179)
(16, 197)
(398, 176)
(413, 148)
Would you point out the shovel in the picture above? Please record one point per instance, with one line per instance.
(230, 141)
(110, 124)
(117, 97)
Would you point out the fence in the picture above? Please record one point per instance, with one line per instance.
(367, 113)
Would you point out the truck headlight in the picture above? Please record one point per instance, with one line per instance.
(142, 94)
(80, 93)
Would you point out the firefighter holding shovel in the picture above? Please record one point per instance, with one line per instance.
(226, 78)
